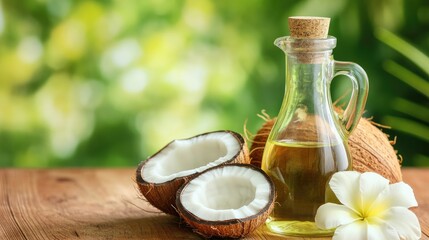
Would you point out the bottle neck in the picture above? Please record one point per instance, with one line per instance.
(306, 112)
(307, 81)
(309, 67)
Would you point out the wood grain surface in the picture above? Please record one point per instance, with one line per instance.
(104, 204)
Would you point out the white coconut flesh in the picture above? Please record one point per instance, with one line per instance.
(229, 192)
(188, 156)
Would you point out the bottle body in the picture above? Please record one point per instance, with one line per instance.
(308, 142)
(300, 172)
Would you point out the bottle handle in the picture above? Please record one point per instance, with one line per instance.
(354, 110)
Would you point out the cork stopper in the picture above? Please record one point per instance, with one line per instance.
(308, 40)
(309, 27)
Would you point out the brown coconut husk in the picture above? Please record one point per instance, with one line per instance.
(163, 195)
(234, 228)
(370, 148)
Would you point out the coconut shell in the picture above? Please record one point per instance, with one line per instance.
(259, 141)
(163, 195)
(234, 228)
(370, 149)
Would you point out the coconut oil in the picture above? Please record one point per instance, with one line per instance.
(300, 172)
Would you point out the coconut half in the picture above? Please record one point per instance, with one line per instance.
(227, 201)
(161, 175)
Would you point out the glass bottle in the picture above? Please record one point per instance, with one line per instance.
(308, 142)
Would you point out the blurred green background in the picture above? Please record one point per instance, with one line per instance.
(108, 83)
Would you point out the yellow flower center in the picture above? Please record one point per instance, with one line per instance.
(372, 211)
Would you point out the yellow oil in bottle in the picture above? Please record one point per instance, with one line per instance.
(300, 172)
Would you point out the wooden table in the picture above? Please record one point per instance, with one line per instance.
(104, 204)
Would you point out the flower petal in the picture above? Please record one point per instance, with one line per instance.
(353, 231)
(379, 230)
(345, 185)
(404, 221)
(396, 195)
(331, 215)
(370, 186)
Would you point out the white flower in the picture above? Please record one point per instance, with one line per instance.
(372, 209)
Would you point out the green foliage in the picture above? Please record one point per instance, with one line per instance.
(408, 77)
(405, 48)
(108, 83)
(417, 124)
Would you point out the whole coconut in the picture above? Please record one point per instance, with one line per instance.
(369, 147)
